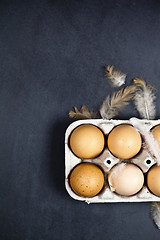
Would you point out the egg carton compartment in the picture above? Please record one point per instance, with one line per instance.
(144, 160)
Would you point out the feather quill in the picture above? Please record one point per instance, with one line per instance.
(115, 103)
(149, 141)
(84, 113)
(144, 99)
(116, 77)
(155, 213)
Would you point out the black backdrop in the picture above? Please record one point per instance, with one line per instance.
(52, 57)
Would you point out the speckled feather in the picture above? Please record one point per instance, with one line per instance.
(116, 77)
(84, 113)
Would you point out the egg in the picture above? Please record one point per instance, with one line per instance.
(87, 141)
(153, 180)
(124, 141)
(87, 179)
(126, 179)
(156, 133)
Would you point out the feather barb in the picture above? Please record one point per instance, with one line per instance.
(112, 105)
(155, 213)
(116, 77)
(144, 99)
(84, 113)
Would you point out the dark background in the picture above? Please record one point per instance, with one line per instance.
(52, 57)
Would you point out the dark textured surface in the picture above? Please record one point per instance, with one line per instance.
(52, 55)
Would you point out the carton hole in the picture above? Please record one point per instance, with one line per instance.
(108, 161)
(148, 161)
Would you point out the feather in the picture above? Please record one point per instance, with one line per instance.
(112, 105)
(116, 77)
(84, 113)
(155, 213)
(144, 99)
(114, 173)
(149, 141)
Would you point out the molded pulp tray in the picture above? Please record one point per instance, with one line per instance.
(106, 195)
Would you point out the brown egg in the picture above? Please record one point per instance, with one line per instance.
(126, 179)
(156, 133)
(87, 141)
(153, 180)
(124, 141)
(87, 180)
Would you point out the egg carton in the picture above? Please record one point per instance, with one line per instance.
(106, 161)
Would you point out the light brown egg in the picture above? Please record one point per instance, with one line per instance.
(126, 179)
(124, 141)
(87, 141)
(156, 133)
(153, 180)
(87, 180)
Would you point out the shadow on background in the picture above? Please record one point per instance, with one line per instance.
(57, 154)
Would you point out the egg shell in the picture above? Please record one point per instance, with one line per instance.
(153, 180)
(87, 141)
(124, 141)
(126, 179)
(87, 180)
(156, 133)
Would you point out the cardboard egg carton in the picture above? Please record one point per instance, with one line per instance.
(106, 161)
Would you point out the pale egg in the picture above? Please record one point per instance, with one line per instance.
(126, 179)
